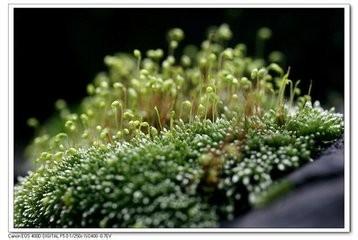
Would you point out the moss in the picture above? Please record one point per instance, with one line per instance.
(173, 143)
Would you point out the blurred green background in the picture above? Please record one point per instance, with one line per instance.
(58, 51)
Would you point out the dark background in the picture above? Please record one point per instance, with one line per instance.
(58, 51)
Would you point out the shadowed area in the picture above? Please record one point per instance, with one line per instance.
(317, 201)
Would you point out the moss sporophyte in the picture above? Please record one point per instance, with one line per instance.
(179, 140)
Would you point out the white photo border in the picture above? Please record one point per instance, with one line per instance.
(347, 120)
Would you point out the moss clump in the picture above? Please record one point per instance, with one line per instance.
(179, 142)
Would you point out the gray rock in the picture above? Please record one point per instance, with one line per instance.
(316, 202)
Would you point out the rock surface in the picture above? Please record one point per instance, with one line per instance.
(316, 202)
